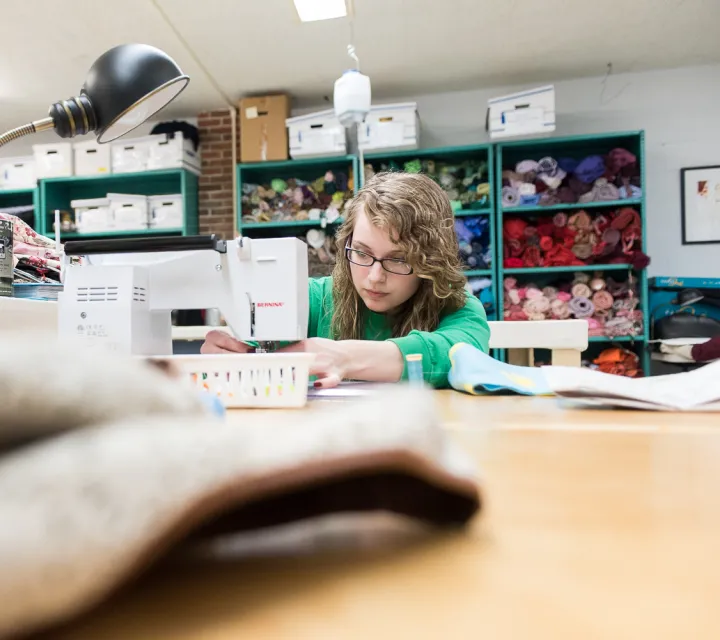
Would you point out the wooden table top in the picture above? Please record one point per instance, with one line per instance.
(598, 524)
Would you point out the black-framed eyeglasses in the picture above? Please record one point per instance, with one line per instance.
(391, 265)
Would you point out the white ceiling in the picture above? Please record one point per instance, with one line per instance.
(406, 46)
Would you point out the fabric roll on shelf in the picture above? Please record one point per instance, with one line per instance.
(466, 182)
(473, 234)
(294, 200)
(611, 307)
(551, 181)
(576, 238)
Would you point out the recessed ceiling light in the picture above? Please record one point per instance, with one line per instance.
(312, 10)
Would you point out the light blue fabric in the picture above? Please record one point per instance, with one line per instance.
(213, 404)
(475, 372)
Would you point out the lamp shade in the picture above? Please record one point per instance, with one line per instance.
(129, 84)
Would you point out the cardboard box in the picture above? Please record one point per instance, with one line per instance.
(263, 134)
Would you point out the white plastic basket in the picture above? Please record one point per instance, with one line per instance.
(260, 380)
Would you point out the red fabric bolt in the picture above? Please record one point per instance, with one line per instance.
(514, 228)
(639, 260)
(514, 263)
(568, 242)
(622, 218)
(599, 248)
(545, 229)
(532, 257)
(515, 248)
(546, 243)
(629, 236)
(559, 256)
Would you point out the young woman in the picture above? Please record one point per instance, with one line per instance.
(397, 289)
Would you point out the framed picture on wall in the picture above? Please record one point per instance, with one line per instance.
(700, 202)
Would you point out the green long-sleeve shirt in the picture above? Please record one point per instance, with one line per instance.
(468, 325)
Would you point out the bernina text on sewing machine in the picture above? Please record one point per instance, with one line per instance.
(122, 294)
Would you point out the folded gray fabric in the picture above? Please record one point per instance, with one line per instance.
(87, 509)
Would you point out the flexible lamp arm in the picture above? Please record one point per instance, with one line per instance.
(125, 87)
(39, 125)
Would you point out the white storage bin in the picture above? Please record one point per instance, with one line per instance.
(390, 127)
(53, 160)
(129, 211)
(316, 135)
(176, 152)
(92, 215)
(18, 173)
(91, 158)
(130, 156)
(166, 212)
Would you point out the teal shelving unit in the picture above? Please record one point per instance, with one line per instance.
(19, 198)
(508, 154)
(57, 193)
(454, 156)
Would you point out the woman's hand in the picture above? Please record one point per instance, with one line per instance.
(331, 360)
(351, 359)
(221, 342)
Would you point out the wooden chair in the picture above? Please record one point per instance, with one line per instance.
(566, 340)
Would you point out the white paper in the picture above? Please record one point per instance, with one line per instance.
(693, 390)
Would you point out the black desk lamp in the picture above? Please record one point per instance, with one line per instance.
(125, 86)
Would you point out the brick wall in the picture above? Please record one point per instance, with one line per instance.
(216, 182)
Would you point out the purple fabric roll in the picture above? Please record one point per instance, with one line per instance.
(581, 307)
(568, 165)
(590, 169)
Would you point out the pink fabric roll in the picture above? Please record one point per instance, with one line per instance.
(581, 290)
(602, 300)
(560, 309)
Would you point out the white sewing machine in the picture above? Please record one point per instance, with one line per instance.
(122, 296)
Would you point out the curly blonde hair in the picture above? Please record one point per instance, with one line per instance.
(417, 213)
